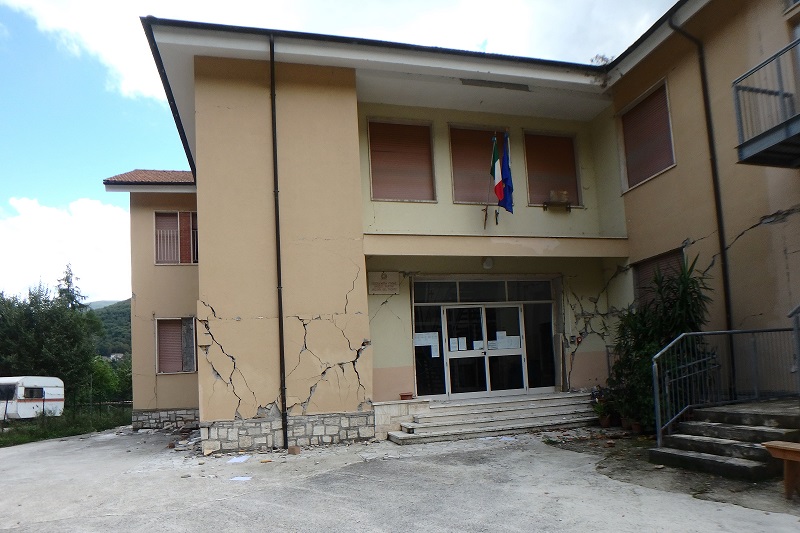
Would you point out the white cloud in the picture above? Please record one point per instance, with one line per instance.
(39, 241)
(567, 30)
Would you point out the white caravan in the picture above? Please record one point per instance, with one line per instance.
(28, 396)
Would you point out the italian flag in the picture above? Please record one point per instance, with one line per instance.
(496, 171)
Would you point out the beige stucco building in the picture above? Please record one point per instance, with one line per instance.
(337, 242)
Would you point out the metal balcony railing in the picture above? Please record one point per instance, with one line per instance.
(718, 367)
(766, 96)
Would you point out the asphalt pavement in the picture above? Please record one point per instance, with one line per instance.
(126, 481)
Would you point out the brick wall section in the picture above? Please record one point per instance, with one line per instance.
(163, 419)
(266, 433)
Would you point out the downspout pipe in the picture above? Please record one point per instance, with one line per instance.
(723, 246)
(712, 151)
(279, 270)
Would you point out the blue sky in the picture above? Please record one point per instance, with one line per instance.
(63, 131)
(80, 101)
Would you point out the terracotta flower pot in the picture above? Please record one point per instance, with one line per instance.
(605, 421)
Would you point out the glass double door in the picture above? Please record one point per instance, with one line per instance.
(484, 349)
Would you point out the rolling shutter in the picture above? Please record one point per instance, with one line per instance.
(551, 167)
(471, 152)
(401, 162)
(647, 137)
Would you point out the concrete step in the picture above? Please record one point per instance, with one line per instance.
(489, 420)
(769, 414)
(738, 432)
(466, 406)
(400, 437)
(513, 409)
(731, 467)
(717, 446)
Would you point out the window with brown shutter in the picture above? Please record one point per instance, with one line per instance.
(647, 137)
(176, 238)
(175, 345)
(471, 153)
(401, 162)
(552, 171)
(644, 272)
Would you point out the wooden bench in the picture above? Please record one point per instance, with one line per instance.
(790, 453)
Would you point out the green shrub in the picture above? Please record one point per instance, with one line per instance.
(674, 304)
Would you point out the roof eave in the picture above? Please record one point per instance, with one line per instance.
(181, 188)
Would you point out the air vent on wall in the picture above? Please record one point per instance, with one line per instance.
(496, 84)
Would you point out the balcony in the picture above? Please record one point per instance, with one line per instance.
(767, 111)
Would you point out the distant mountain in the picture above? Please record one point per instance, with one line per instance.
(99, 304)
(116, 319)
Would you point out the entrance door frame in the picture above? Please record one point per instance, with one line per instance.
(556, 332)
(485, 352)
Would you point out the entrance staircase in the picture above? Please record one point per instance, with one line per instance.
(726, 440)
(467, 419)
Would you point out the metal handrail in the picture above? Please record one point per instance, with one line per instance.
(766, 95)
(767, 61)
(696, 374)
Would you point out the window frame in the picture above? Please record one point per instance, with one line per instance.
(33, 393)
(491, 198)
(661, 84)
(574, 137)
(183, 348)
(432, 146)
(193, 247)
(640, 296)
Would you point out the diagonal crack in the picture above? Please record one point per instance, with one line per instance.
(229, 381)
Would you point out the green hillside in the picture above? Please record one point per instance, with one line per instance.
(116, 319)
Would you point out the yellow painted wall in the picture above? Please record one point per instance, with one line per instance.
(237, 279)
(446, 218)
(159, 291)
(678, 205)
(328, 358)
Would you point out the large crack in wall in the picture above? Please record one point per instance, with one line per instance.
(218, 376)
(592, 318)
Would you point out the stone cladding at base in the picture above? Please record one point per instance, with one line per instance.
(304, 430)
(163, 418)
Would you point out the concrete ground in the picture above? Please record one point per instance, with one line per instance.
(125, 481)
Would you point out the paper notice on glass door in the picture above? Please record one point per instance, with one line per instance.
(462, 344)
(453, 345)
(428, 339)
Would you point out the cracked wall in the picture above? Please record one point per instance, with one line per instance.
(390, 321)
(759, 203)
(589, 291)
(327, 344)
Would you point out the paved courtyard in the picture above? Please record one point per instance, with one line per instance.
(125, 481)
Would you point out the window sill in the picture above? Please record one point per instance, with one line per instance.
(176, 373)
(407, 201)
(175, 264)
(654, 176)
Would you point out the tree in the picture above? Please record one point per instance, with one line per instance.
(49, 335)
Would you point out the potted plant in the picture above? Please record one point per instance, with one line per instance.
(602, 405)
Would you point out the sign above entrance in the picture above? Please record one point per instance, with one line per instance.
(384, 282)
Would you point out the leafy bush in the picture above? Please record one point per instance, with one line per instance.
(673, 304)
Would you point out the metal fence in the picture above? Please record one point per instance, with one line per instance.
(766, 96)
(717, 367)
